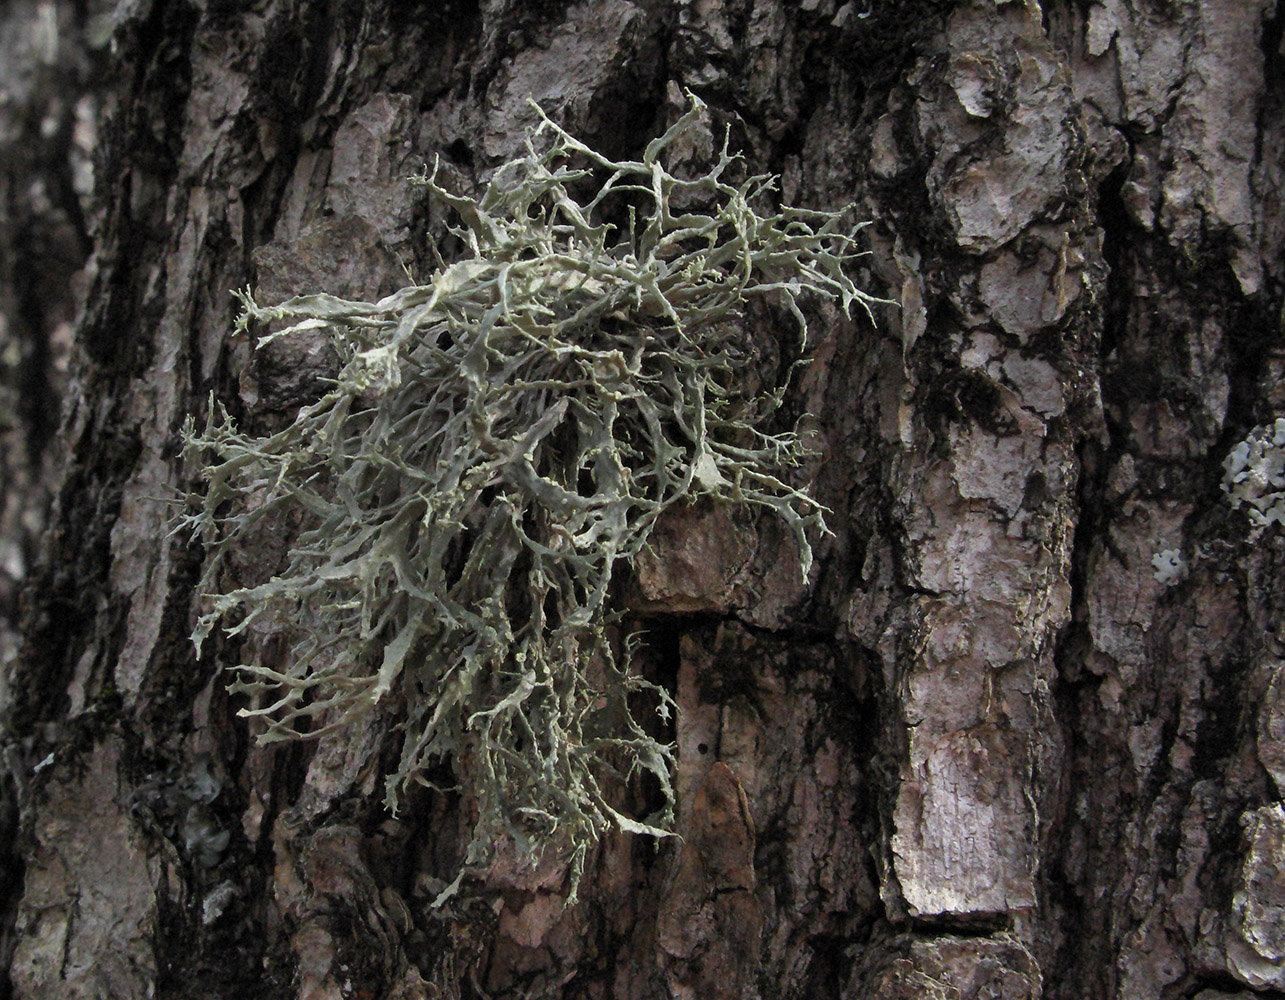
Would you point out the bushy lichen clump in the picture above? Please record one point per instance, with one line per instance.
(498, 440)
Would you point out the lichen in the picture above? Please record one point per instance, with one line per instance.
(499, 441)
(1254, 474)
(1170, 567)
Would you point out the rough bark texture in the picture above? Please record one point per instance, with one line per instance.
(989, 750)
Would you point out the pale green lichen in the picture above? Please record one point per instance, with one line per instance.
(1170, 567)
(499, 440)
(1254, 474)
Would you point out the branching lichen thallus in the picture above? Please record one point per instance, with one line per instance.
(498, 440)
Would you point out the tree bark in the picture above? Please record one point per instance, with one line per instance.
(992, 748)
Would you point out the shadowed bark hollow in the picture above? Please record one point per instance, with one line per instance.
(1022, 732)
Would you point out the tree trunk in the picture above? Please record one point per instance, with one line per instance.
(1023, 732)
